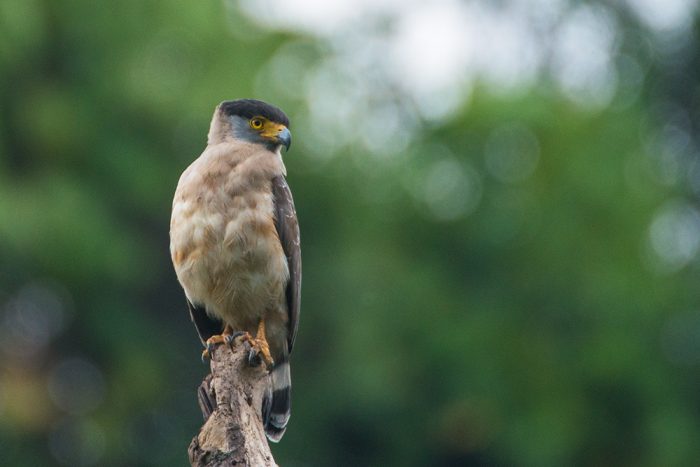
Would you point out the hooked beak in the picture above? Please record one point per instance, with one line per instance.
(284, 137)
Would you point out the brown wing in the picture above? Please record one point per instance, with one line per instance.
(288, 232)
(206, 325)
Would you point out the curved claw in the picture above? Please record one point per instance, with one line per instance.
(260, 349)
(260, 353)
(231, 338)
(254, 358)
(213, 341)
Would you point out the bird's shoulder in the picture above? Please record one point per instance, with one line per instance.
(234, 167)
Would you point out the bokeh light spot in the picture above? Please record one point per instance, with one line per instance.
(674, 236)
(30, 320)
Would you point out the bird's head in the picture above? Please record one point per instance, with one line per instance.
(253, 121)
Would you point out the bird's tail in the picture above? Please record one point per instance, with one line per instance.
(277, 404)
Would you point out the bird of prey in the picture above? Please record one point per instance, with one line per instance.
(234, 242)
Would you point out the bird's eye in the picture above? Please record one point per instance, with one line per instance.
(256, 123)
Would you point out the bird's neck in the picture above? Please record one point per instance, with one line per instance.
(251, 158)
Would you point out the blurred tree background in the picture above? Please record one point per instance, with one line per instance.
(499, 219)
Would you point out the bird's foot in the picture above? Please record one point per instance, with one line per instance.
(259, 348)
(259, 352)
(226, 337)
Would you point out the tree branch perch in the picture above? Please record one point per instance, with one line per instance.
(231, 400)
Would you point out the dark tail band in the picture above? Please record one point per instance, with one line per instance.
(277, 405)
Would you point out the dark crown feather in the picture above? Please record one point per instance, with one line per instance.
(249, 108)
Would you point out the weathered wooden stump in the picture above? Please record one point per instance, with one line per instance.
(231, 401)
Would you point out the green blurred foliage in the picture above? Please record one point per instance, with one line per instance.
(482, 318)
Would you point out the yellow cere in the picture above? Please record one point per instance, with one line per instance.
(272, 129)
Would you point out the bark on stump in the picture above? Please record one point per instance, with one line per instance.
(231, 401)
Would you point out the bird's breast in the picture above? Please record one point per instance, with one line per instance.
(226, 250)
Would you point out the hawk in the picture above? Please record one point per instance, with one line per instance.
(234, 243)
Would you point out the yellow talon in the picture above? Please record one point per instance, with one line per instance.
(223, 338)
(260, 346)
